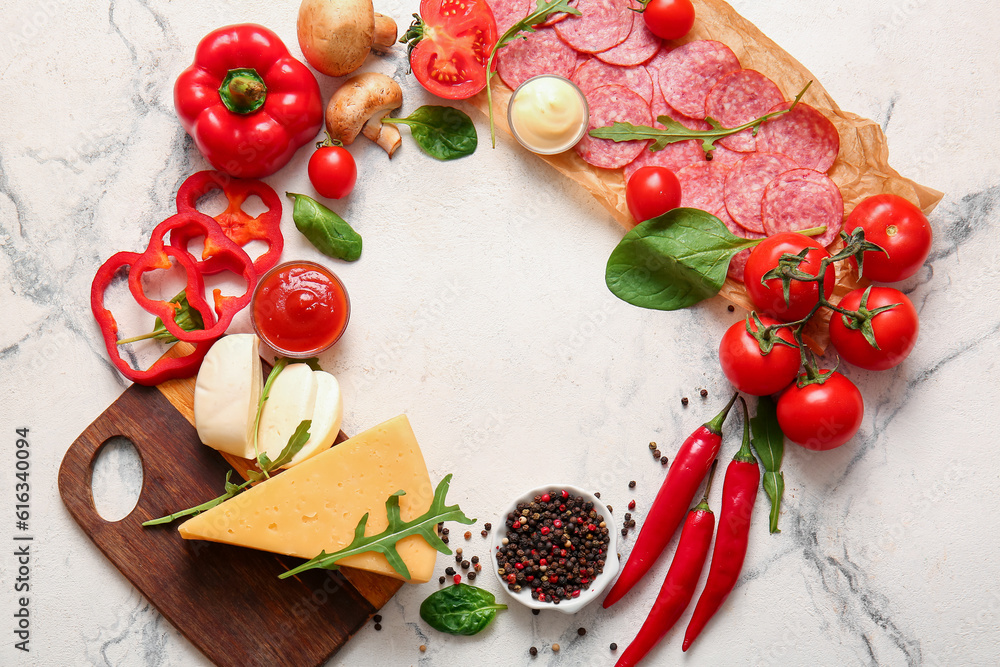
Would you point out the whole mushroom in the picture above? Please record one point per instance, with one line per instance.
(359, 107)
(336, 35)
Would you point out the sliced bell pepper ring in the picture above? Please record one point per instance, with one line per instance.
(165, 368)
(219, 249)
(238, 225)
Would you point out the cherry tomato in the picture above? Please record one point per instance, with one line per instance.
(751, 371)
(652, 191)
(769, 298)
(332, 171)
(898, 226)
(821, 416)
(895, 330)
(669, 19)
(450, 54)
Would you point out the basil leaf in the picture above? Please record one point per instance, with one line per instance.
(674, 260)
(460, 609)
(769, 443)
(327, 231)
(441, 132)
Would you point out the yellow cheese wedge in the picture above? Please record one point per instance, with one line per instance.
(316, 505)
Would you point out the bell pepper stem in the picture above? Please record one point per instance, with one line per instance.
(243, 91)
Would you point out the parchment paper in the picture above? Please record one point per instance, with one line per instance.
(861, 170)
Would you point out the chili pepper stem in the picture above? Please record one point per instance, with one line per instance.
(703, 505)
(715, 424)
(745, 455)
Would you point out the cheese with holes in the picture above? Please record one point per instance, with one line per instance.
(316, 505)
(226, 394)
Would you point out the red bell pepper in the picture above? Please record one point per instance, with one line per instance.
(165, 368)
(219, 251)
(238, 225)
(246, 102)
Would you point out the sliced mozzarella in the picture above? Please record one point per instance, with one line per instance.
(326, 418)
(291, 400)
(226, 394)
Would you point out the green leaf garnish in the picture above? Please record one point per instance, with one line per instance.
(460, 609)
(673, 131)
(187, 318)
(444, 133)
(384, 543)
(769, 443)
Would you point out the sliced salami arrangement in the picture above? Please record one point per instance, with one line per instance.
(758, 183)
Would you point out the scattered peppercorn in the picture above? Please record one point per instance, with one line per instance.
(378, 627)
(597, 494)
(624, 532)
(581, 631)
(488, 526)
(445, 539)
(465, 565)
(536, 612)
(423, 648)
(458, 551)
(475, 559)
(631, 523)
(628, 515)
(483, 533)
(611, 509)
(663, 461)
(731, 309)
(468, 534)
(614, 646)
(533, 651)
(450, 571)
(652, 446)
(457, 579)
(631, 505)
(684, 401)
(704, 393)
(377, 618)
(471, 576)
(657, 454)
(631, 484)
(555, 648)
(440, 580)
(445, 531)
(477, 567)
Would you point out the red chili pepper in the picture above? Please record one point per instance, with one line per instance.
(165, 368)
(682, 578)
(238, 225)
(219, 249)
(246, 102)
(686, 473)
(739, 491)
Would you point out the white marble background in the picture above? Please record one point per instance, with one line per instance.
(480, 311)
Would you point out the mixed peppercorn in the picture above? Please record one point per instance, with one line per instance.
(555, 546)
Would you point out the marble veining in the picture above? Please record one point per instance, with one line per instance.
(480, 311)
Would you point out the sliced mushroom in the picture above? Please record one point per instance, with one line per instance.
(359, 106)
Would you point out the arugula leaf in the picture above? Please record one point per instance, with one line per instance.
(444, 133)
(187, 318)
(673, 131)
(460, 609)
(384, 543)
(674, 260)
(769, 443)
(543, 10)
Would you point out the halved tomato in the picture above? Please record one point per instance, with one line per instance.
(449, 45)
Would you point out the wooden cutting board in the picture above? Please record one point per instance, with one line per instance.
(228, 601)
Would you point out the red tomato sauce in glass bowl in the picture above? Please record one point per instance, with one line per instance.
(300, 309)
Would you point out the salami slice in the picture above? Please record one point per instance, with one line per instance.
(541, 53)
(673, 156)
(601, 25)
(689, 72)
(723, 155)
(800, 199)
(703, 186)
(607, 105)
(661, 108)
(593, 74)
(740, 97)
(554, 18)
(745, 186)
(508, 12)
(803, 134)
(638, 47)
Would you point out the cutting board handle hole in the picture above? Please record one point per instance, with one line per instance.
(116, 478)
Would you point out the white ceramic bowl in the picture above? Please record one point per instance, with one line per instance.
(599, 583)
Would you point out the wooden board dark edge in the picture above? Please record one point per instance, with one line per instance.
(301, 622)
